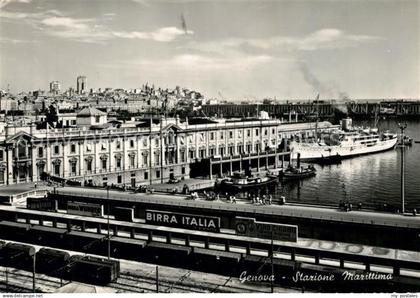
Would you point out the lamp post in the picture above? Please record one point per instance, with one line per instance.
(402, 127)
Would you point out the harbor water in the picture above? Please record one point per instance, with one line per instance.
(374, 180)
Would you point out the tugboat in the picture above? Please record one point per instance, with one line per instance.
(406, 141)
(292, 173)
(240, 181)
(298, 172)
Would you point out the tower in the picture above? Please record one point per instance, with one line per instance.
(81, 84)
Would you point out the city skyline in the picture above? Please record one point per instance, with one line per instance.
(233, 49)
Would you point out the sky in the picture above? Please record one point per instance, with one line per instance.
(231, 49)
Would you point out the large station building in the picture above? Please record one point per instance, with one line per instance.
(100, 152)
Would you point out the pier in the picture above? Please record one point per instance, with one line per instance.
(292, 111)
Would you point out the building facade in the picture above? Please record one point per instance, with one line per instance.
(81, 85)
(55, 87)
(138, 154)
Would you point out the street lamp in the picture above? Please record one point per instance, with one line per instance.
(402, 127)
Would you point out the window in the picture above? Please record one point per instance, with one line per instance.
(57, 169)
(157, 174)
(265, 131)
(132, 161)
(103, 146)
(118, 162)
(146, 175)
(211, 151)
(157, 158)
(183, 170)
(202, 153)
(145, 159)
(88, 148)
(212, 136)
(248, 132)
(221, 135)
(249, 148)
(1, 154)
(221, 151)
(192, 154)
(73, 168)
(240, 149)
(56, 149)
(118, 145)
(156, 142)
(230, 134)
(103, 164)
(97, 119)
(182, 155)
(256, 132)
(73, 148)
(273, 131)
(231, 150)
(131, 143)
(40, 152)
(89, 165)
(119, 179)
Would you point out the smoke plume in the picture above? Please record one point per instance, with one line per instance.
(328, 90)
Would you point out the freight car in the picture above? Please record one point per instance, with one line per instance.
(92, 270)
(51, 261)
(19, 256)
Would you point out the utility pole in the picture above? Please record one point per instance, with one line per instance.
(33, 274)
(7, 279)
(272, 264)
(109, 240)
(402, 127)
(157, 279)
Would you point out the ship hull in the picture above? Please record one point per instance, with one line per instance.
(315, 152)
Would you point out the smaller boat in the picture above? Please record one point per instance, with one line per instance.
(239, 181)
(292, 173)
(406, 141)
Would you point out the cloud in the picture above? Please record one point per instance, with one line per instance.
(6, 40)
(3, 3)
(165, 34)
(328, 38)
(66, 23)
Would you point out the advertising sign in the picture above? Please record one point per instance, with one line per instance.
(85, 209)
(185, 221)
(246, 226)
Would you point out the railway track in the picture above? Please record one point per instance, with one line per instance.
(134, 283)
(21, 281)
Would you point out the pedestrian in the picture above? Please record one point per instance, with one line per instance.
(270, 199)
(234, 200)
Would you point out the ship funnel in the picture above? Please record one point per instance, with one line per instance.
(298, 161)
(346, 124)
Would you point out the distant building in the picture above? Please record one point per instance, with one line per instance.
(55, 87)
(81, 84)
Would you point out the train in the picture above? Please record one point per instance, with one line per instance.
(58, 263)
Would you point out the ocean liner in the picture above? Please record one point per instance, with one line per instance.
(346, 142)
